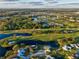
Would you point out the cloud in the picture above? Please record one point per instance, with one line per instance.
(19, 6)
(9, 0)
(36, 3)
(50, 0)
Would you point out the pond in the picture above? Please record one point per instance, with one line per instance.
(3, 50)
(3, 17)
(2, 36)
(53, 44)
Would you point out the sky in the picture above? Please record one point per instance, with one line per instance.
(37, 3)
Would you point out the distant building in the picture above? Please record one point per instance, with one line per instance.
(77, 20)
(54, 18)
(70, 57)
(66, 48)
(49, 57)
(21, 53)
(12, 42)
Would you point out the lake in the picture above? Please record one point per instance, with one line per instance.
(53, 44)
(2, 36)
(3, 50)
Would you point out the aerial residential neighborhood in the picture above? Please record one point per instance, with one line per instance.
(39, 34)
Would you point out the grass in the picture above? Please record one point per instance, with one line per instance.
(42, 37)
(45, 37)
(50, 36)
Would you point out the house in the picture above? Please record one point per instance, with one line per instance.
(34, 17)
(54, 18)
(21, 53)
(51, 24)
(72, 45)
(11, 42)
(57, 24)
(49, 57)
(47, 49)
(45, 25)
(72, 20)
(66, 48)
(77, 20)
(62, 25)
(70, 57)
(76, 46)
(39, 53)
(34, 47)
(76, 55)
